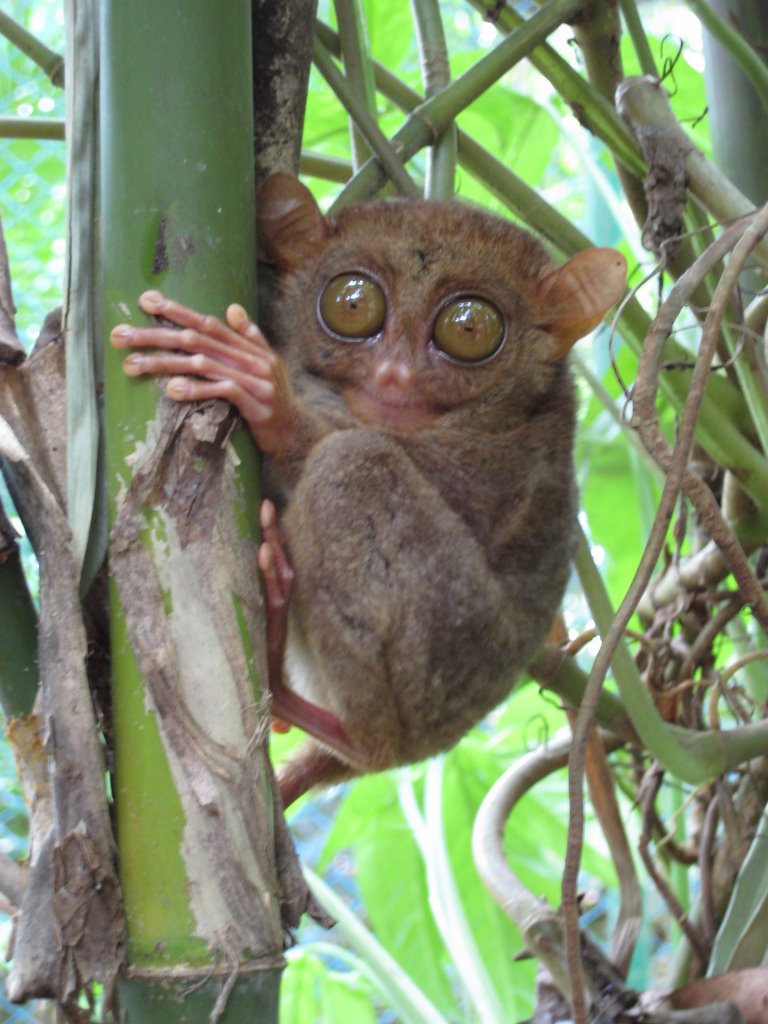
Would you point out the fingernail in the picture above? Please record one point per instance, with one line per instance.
(176, 388)
(133, 363)
(151, 300)
(120, 332)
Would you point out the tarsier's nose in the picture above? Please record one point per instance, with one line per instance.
(394, 374)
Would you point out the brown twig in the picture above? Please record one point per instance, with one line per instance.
(707, 634)
(652, 785)
(603, 795)
(645, 394)
(645, 419)
(706, 845)
(742, 238)
(11, 350)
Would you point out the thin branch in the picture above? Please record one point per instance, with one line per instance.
(734, 42)
(387, 154)
(436, 75)
(743, 240)
(536, 921)
(651, 786)
(50, 62)
(637, 35)
(356, 57)
(431, 117)
(32, 128)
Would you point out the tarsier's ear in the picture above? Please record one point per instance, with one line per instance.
(289, 219)
(570, 300)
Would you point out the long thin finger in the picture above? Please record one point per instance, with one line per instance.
(255, 380)
(248, 360)
(157, 304)
(253, 410)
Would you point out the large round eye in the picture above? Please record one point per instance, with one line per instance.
(469, 329)
(353, 306)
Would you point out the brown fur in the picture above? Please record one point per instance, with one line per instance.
(429, 563)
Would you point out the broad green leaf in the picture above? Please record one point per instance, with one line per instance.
(312, 992)
(370, 824)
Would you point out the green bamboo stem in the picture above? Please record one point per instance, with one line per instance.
(436, 75)
(50, 62)
(330, 168)
(431, 117)
(751, 63)
(32, 128)
(387, 158)
(639, 39)
(356, 58)
(177, 214)
(594, 111)
(597, 34)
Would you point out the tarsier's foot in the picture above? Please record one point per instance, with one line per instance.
(211, 359)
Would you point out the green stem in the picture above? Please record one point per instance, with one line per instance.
(356, 57)
(639, 39)
(51, 63)
(177, 213)
(32, 128)
(692, 756)
(330, 168)
(751, 63)
(594, 111)
(387, 160)
(436, 75)
(432, 116)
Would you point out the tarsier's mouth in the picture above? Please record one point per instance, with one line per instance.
(393, 411)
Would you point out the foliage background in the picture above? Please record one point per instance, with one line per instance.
(407, 870)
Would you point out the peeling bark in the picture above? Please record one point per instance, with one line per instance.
(666, 188)
(75, 869)
(187, 594)
(11, 350)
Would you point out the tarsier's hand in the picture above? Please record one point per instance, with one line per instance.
(211, 359)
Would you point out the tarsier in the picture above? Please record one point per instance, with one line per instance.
(416, 412)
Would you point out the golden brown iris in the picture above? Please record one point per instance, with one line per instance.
(469, 329)
(353, 306)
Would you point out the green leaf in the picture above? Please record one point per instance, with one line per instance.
(392, 882)
(743, 935)
(312, 992)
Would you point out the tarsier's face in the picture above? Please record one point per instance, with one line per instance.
(410, 309)
(356, 309)
(411, 315)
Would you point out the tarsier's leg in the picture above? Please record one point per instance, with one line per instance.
(316, 765)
